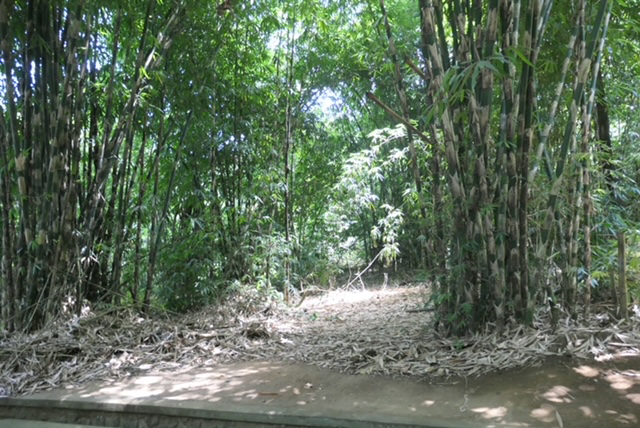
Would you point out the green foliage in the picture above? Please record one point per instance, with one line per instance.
(369, 202)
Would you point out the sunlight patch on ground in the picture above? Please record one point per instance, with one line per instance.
(491, 412)
(623, 380)
(634, 398)
(587, 371)
(544, 413)
(559, 394)
(587, 411)
(348, 297)
(623, 418)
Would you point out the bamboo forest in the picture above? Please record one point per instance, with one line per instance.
(167, 162)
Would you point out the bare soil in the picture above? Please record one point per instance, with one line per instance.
(561, 392)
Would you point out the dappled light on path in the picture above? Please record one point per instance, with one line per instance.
(587, 371)
(558, 394)
(545, 413)
(561, 392)
(272, 389)
(491, 413)
(553, 394)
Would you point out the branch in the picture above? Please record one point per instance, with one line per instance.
(359, 275)
(399, 118)
(416, 69)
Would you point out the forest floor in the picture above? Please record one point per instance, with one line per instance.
(376, 330)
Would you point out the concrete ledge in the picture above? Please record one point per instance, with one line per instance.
(16, 423)
(187, 414)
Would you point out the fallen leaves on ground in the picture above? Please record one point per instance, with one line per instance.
(363, 331)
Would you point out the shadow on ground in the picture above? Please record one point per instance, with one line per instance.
(560, 393)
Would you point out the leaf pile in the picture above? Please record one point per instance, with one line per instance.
(108, 345)
(354, 331)
(371, 332)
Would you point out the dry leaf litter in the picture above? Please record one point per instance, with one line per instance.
(365, 331)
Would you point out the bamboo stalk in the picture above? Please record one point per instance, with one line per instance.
(583, 70)
(436, 188)
(459, 287)
(622, 277)
(586, 179)
(525, 137)
(414, 165)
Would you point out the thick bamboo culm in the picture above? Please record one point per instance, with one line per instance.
(622, 277)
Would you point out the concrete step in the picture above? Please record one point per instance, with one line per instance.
(17, 423)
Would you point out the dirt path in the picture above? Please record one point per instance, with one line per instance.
(558, 394)
(378, 332)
